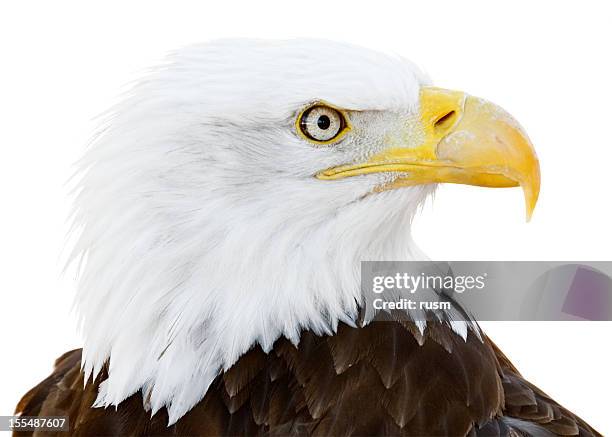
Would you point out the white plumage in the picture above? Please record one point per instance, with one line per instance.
(201, 228)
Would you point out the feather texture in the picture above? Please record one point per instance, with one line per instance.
(444, 387)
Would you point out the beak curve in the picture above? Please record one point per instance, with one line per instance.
(467, 140)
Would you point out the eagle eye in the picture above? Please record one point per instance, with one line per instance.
(322, 124)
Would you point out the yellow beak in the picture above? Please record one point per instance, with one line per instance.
(465, 140)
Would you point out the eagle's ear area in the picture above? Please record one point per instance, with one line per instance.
(322, 123)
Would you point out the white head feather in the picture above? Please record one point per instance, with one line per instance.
(202, 229)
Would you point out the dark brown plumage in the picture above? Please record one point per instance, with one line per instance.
(382, 379)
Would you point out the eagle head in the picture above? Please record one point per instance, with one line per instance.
(229, 198)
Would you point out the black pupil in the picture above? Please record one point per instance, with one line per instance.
(323, 122)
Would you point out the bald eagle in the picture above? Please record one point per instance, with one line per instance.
(222, 212)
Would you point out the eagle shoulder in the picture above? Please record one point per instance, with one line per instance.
(385, 378)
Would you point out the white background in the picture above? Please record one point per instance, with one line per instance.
(547, 63)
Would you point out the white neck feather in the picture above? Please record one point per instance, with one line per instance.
(169, 313)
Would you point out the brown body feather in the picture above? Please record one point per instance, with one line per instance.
(382, 379)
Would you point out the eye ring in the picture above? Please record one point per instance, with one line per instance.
(322, 123)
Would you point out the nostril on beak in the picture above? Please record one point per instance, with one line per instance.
(446, 121)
